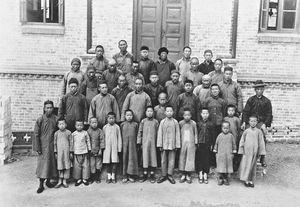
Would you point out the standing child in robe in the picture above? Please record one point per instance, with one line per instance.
(146, 140)
(113, 146)
(82, 148)
(62, 152)
(189, 139)
(252, 146)
(160, 110)
(129, 130)
(97, 145)
(174, 88)
(224, 148)
(153, 89)
(168, 141)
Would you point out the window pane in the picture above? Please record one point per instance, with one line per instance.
(52, 11)
(272, 15)
(288, 20)
(289, 4)
(263, 19)
(264, 6)
(34, 10)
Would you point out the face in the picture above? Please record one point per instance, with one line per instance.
(79, 125)
(98, 75)
(99, 52)
(188, 87)
(187, 115)
(111, 119)
(228, 75)
(259, 91)
(169, 112)
(218, 65)
(208, 56)
(123, 46)
(62, 125)
(103, 88)
(93, 123)
(194, 64)
(163, 56)
(206, 80)
(128, 116)
(73, 88)
(121, 81)
(112, 67)
(149, 112)
(48, 108)
(144, 53)
(215, 90)
(162, 99)
(175, 77)
(135, 68)
(225, 128)
(91, 74)
(75, 66)
(154, 79)
(253, 122)
(231, 111)
(187, 53)
(204, 114)
(138, 84)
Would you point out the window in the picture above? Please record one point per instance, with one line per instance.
(280, 16)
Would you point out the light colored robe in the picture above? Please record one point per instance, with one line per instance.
(113, 143)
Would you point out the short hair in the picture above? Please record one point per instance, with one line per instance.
(162, 49)
(163, 92)
(93, 118)
(135, 61)
(76, 60)
(169, 106)
(194, 58)
(214, 84)
(218, 59)
(150, 107)
(90, 67)
(205, 108)
(188, 81)
(122, 41)
(79, 120)
(73, 80)
(128, 110)
(99, 46)
(111, 114)
(102, 82)
(253, 116)
(175, 71)
(186, 47)
(231, 106)
(208, 51)
(61, 119)
(138, 78)
(187, 109)
(153, 72)
(225, 122)
(144, 47)
(48, 102)
(228, 68)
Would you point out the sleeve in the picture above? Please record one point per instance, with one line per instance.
(261, 144)
(62, 107)
(83, 88)
(37, 136)
(55, 142)
(247, 111)
(196, 133)
(85, 109)
(242, 143)
(72, 143)
(88, 141)
(195, 91)
(92, 110)
(177, 136)
(177, 65)
(125, 106)
(148, 100)
(238, 125)
(233, 144)
(102, 140)
(269, 116)
(64, 85)
(172, 67)
(212, 134)
(177, 106)
(239, 99)
(116, 110)
(160, 135)
(119, 139)
(216, 144)
(140, 133)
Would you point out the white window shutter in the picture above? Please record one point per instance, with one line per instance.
(23, 11)
(61, 11)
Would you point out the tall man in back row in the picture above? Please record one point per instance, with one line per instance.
(123, 59)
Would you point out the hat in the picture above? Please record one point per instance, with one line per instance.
(259, 83)
(90, 67)
(162, 49)
(228, 68)
(73, 80)
(144, 48)
(153, 72)
(76, 60)
(175, 71)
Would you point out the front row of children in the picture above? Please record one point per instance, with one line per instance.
(88, 149)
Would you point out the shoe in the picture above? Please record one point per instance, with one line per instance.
(220, 181)
(188, 180)
(108, 181)
(50, 185)
(200, 180)
(182, 179)
(65, 185)
(58, 185)
(162, 179)
(114, 181)
(264, 164)
(171, 179)
(152, 178)
(226, 182)
(206, 181)
(246, 184)
(40, 190)
(124, 180)
(143, 178)
(92, 178)
(251, 185)
(132, 180)
(78, 182)
(98, 180)
(85, 182)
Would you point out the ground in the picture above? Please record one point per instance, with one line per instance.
(280, 187)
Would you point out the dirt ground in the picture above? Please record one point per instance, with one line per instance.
(280, 187)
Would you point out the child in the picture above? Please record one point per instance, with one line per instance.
(73, 106)
(224, 148)
(146, 140)
(187, 100)
(235, 126)
(205, 142)
(113, 146)
(75, 72)
(160, 110)
(251, 146)
(129, 130)
(189, 139)
(153, 89)
(111, 75)
(63, 155)
(217, 75)
(168, 141)
(146, 65)
(174, 88)
(121, 91)
(133, 75)
(97, 145)
(193, 74)
(82, 148)
(207, 66)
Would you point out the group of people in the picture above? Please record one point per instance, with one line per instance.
(151, 114)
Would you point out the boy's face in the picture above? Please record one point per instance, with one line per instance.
(208, 56)
(144, 53)
(218, 65)
(204, 114)
(187, 115)
(48, 108)
(163, 56)
(187, 53)
(79, 125)
(228, 75)
(111, 119)
(135, 68)
(91, 74)
(149, 112)
(225, 128)
(231, 111)
(215, 90)
(138, 84)
(154, 79)
(194, 64)
(169, 112)
(188, 87)
(128, 116)
(75, 66)
(99, 52)
(73, 88)
(62, 125)
(121, 81)
(253, 122)
(162, 99)
(112, 65)
(206, 80)
(175, 77)
(123, 46)
(103, 88)
(259, 91)
(93, 123)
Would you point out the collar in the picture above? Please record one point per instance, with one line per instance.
(150, 118)
(162, 62)
(143, 58)
(100, 58)
(189, 93)
(227, 81)
(103, 95)
(138, 92)
(120, 53)
(186, 59)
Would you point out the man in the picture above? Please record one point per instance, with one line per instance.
(217, 75)
(183, 65)
(111, 75)
(123, 59)
(43, 144)
(261, 107)
(202, 91)
(99, 62)
(146, 65)
(133, 75)
(121, 91)
(208, 65)
(193, 74)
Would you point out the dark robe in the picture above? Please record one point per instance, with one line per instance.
(206, 68)
(173, 91)
(89, 88)
(187, 100)
(153, 92)
(120, 95)
(164, 70)
(146, 65)
(111, 78)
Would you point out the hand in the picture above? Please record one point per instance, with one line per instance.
(39, 152)
(215, 151)
(234, 151)
(161, 149)
(263, 127)
(100, 153)
(55, 154)
(243, 126)
(71, 156)
(198, 145)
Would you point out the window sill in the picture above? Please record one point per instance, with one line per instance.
(43, 29)
(278, 37)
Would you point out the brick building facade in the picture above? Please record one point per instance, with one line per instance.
(35, 56)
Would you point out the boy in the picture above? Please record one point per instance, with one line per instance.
(193, 74)
(99, 62)
(146, 65)
(73, 106)
(123, 59)
(224, 148)
(261, 107)
(113, 146)
(97, 146)
(153, 89)
(164, 66)
(133, 75)
(63, 155)
(160, 110)
(207, 66)
(121, 91)
(187, 100)
(174, 88)
(168, 141)
(44, 129)
(183, 65)
(102, 104)
(146, 141)
(206, 131)
(137, 101)
(203, 91)
(189, 139)
(81, 146)
(251, 146)
(75, 72)
(111, 75)
(129, 130)
(231, 90)
(217, 75)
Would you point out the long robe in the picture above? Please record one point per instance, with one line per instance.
(153, 92)
(111, 77)
(101, 105)
(202, 93)
(89, 88)
(113, 143)
(187, 100)
(168, 135)
(235, 126)
(62, 146)
(147, 136)
(44, 142)
(189, 139)
(164, 70)
(173, 91)
(159, 112)
(146, 65)
(129, 132)
(251, 146)
(120, 95)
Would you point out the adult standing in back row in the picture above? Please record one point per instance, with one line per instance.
(123, 59)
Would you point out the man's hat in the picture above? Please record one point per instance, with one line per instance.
(162, 49)
(259, 83)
